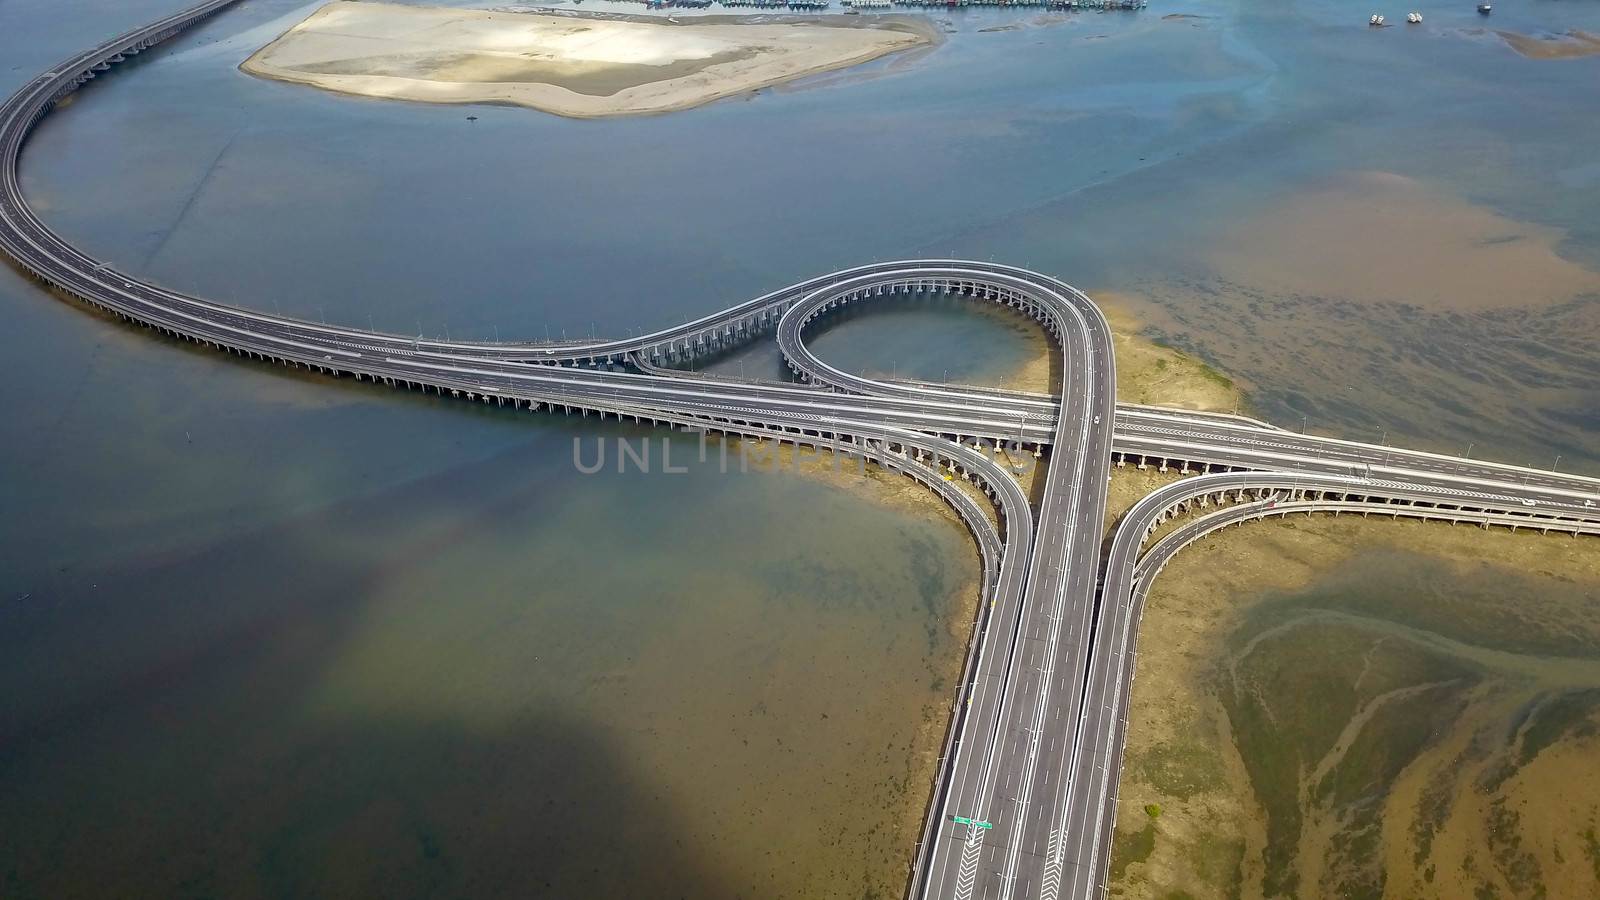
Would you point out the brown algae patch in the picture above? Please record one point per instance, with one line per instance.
(1411, 334)
(1572, 45)
(569, 64)
(1377, 237)
(1348, 707)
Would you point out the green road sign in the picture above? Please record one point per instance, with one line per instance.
(963, 820)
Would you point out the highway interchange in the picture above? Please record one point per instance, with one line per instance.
(1035, 741)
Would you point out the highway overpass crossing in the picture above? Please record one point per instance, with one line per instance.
(1024, 804)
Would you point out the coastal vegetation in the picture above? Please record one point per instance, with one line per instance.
(1364, 708)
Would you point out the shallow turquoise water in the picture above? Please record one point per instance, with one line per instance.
(265, 619)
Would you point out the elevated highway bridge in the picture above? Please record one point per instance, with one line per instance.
(1024, 804)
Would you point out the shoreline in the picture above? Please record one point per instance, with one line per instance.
(1149, 371)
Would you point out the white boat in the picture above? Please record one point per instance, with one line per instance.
(1414, 18)
(1375, 20)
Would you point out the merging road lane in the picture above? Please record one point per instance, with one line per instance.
(1025, 800)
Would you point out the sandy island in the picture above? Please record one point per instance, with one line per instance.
(583, 66)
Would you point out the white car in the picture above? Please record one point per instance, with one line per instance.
(1529, 502)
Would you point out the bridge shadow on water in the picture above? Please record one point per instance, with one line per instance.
(160, 739)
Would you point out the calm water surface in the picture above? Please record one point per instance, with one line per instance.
(257, 630)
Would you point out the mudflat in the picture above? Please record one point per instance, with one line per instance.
(575, 65)
(1572, 45)
(1360, 707)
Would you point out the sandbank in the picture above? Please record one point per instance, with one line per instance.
(1571, 45)
(570, 64)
